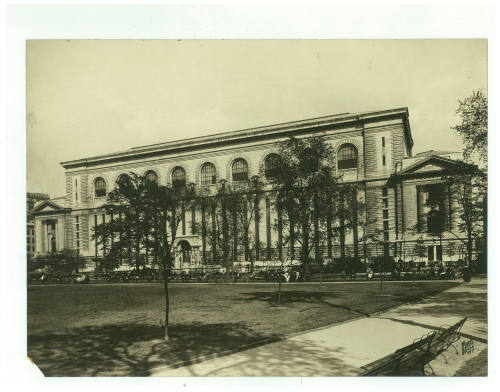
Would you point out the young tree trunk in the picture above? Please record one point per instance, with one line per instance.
(381, 279)
(279, 290)
(469, 247)
(167, 298)
(305, 243)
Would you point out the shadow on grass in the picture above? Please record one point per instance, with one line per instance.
(363, 305)
(132, 349)
(296, 296)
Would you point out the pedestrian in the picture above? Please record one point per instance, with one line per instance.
(467, 274)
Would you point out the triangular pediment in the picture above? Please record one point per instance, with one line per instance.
(47, 205)
(429, 167)
(435, 164)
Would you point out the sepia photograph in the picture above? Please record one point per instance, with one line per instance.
(251, 208)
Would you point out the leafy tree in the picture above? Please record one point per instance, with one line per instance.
(303, 182)
(473, 113)
(65, 261)
(419, 249)
(468, 195)
(233, 209)
(366, 221)
(148, 219)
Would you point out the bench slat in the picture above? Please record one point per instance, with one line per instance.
(416, 354)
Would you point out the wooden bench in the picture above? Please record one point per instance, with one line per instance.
(411, 359)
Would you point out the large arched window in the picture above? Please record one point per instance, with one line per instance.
(151, 176)
(123, 179)
(271, 165)
(178, 177)
(240, 170)
(208, 174)
(347, 157)
(185, 251)
(99, 187)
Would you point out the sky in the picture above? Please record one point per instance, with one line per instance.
(92, 97)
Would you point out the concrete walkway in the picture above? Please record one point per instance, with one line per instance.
(340, 350)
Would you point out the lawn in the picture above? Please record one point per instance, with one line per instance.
(114, 329)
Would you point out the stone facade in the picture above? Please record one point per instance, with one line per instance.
(382, 140)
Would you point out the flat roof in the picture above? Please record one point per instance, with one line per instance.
(245, 134)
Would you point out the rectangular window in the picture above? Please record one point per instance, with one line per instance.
(77, 244)
(383, 141)
(383, 160)
(386, 236)
(386, 225)
(385, 214)
(385, 203)
(77, 235)
(384, 191)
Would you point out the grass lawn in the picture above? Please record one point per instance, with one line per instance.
(114, 329)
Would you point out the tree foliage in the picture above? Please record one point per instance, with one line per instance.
(146, 216)
(473, 128)
(468, 193)
(306, 190)
(232, 209)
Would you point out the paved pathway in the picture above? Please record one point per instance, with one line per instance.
(341, 350)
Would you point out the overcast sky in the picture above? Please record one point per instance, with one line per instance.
(93, 97)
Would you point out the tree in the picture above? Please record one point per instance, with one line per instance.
(303, 183)
(467, 197)
(233, 209)
(148, 218)
(124, 234)
(366, 221)
(473, 113)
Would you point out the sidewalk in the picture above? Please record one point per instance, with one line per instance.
(341, 350)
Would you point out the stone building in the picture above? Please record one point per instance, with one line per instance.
(372, 149)
(31, 200)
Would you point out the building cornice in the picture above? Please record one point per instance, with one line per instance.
(248, 135)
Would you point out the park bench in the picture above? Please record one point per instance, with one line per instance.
(411, 359)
